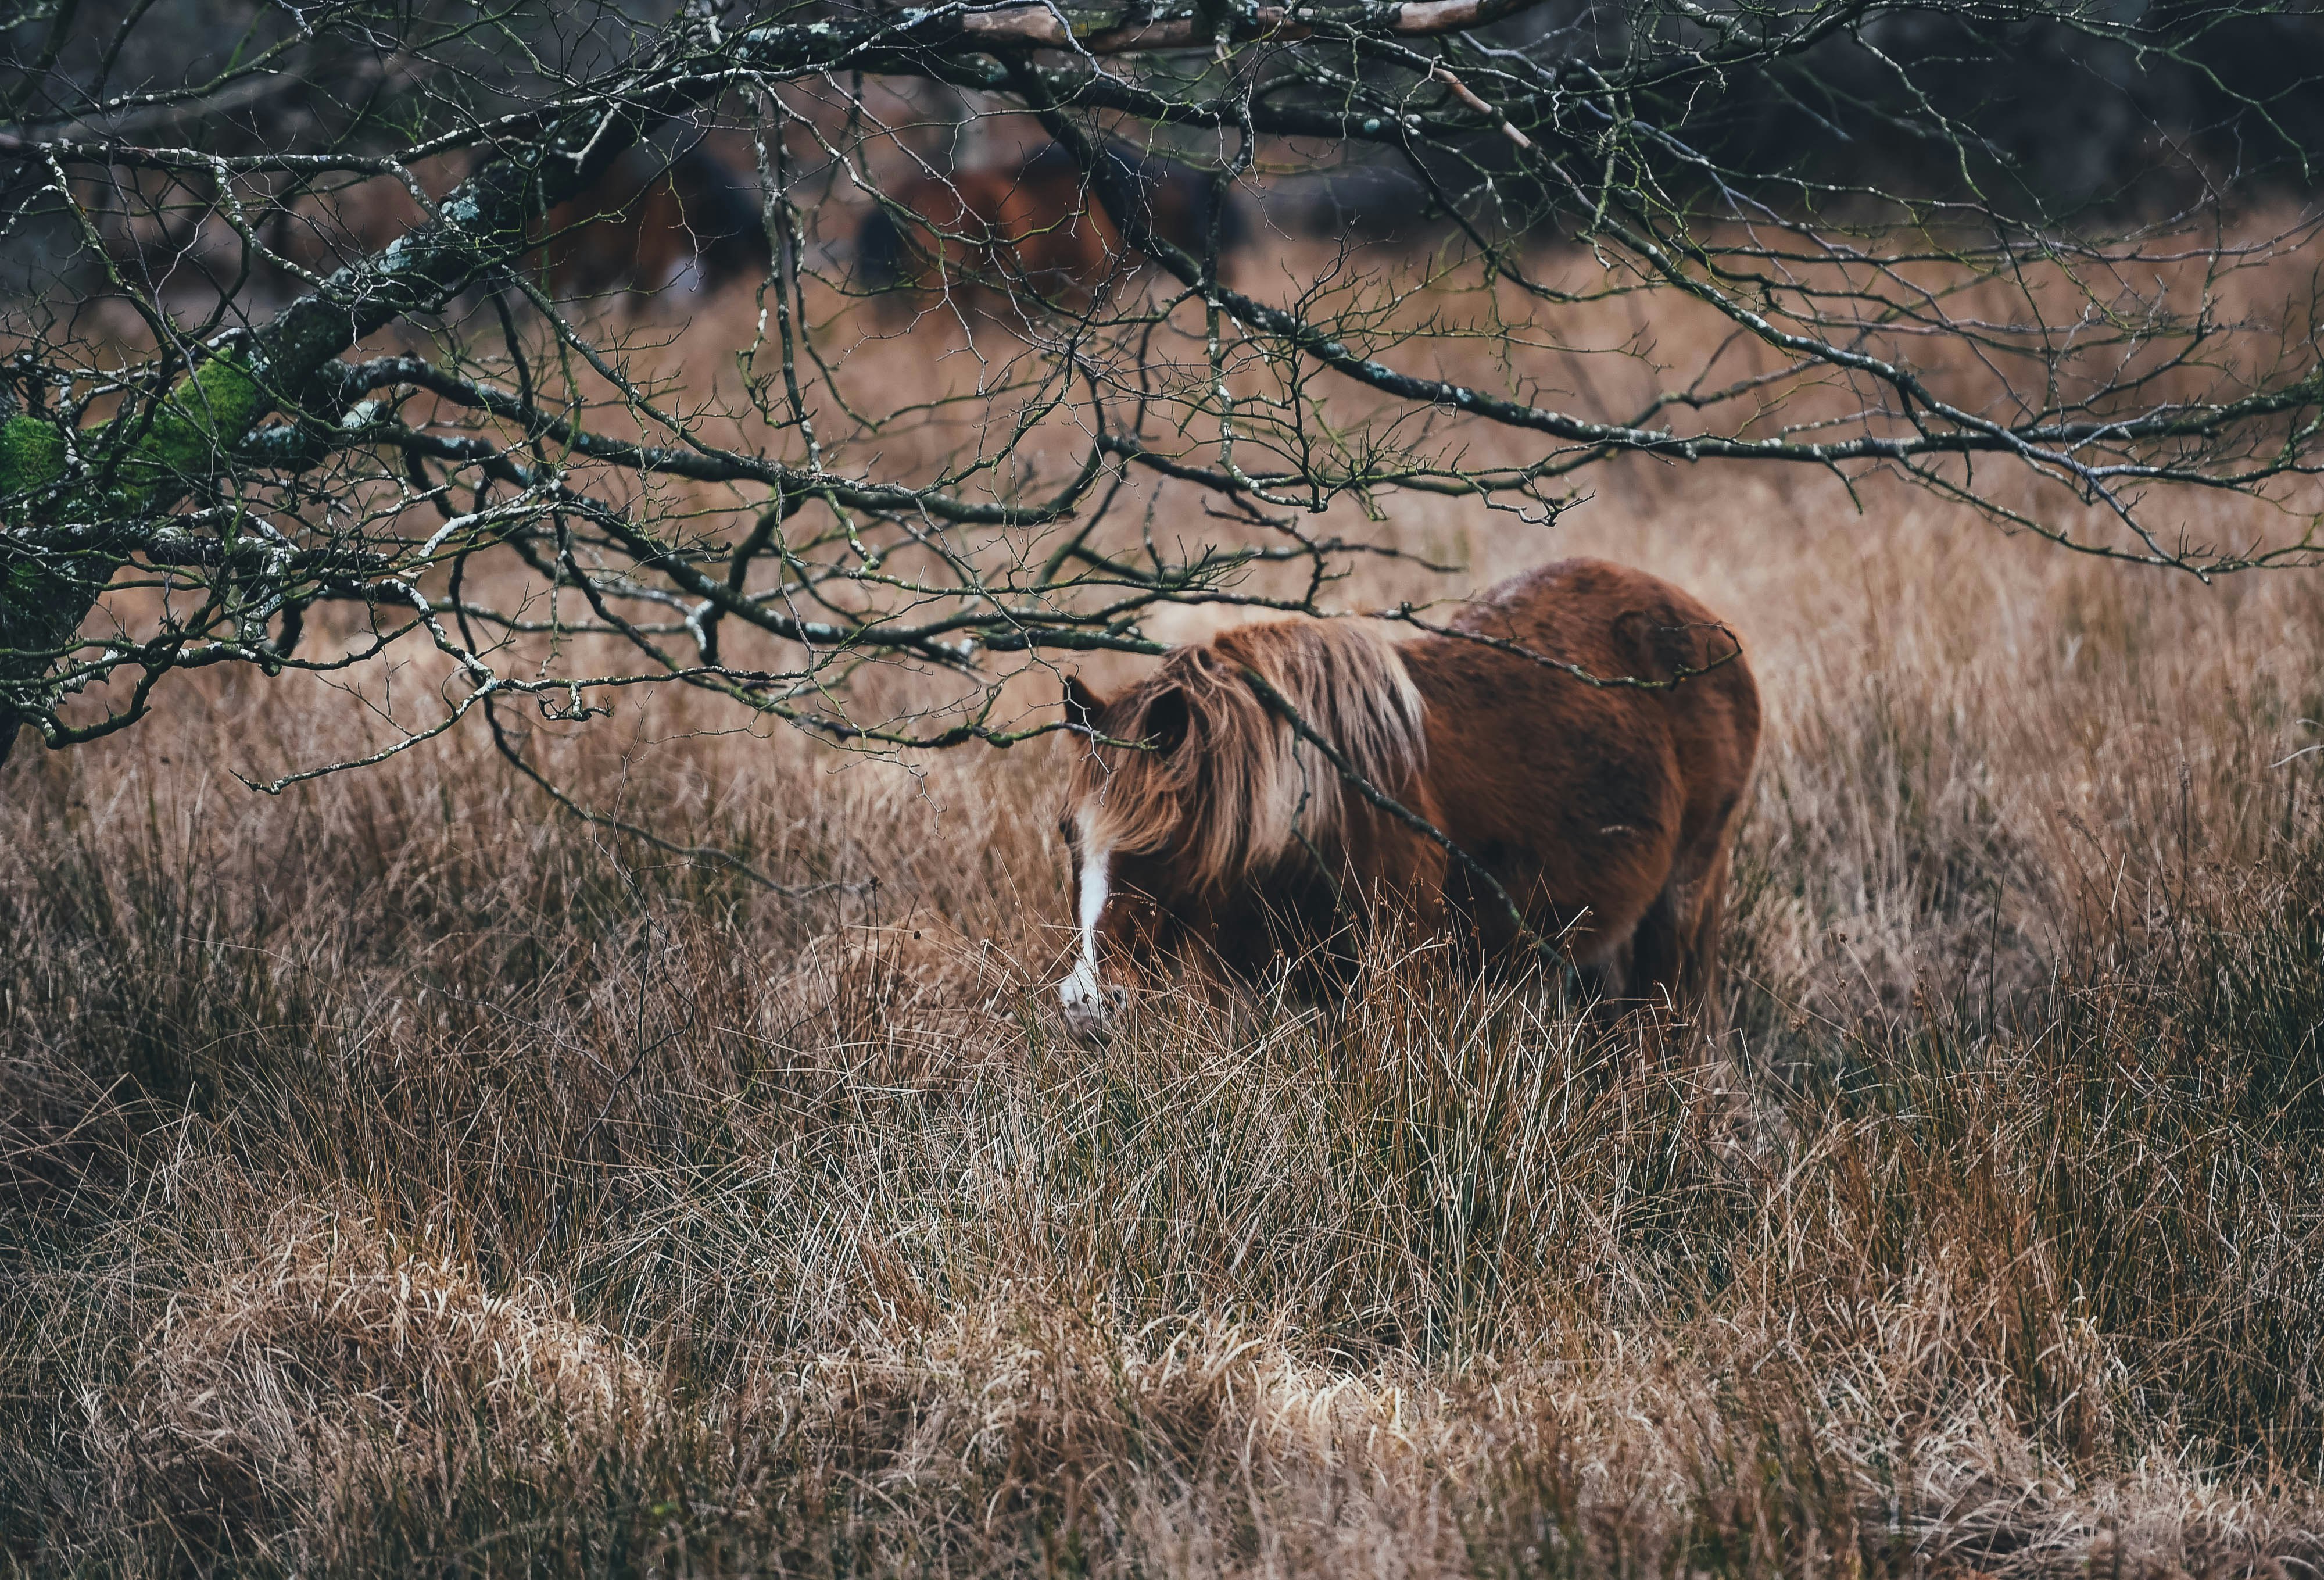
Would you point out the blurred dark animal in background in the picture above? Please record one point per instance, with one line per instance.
(1357, 202)
(1038, 227)
(655, 222)
(170, 231)
(658, 221)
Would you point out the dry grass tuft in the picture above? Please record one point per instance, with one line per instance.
(279, 1399)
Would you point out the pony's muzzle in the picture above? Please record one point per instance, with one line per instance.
(1090, 1005)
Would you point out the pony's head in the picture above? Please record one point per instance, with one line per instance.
(1195, 802)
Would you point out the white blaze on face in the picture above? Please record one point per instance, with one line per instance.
(1080, 991)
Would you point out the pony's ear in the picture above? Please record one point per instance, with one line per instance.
(1082, 705)
(1166, 722)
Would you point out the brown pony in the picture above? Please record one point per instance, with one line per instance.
(1581, 735)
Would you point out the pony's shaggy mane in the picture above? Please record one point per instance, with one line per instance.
(1241, 792)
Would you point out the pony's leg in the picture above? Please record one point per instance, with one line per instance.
(1656, 955)
(1708, 924)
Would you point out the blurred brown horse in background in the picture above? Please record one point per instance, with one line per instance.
(657, 221)
(1581, 735)
(1035, 228)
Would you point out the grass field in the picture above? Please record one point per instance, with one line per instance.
(400, 1177)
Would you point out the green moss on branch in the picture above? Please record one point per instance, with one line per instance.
(206, 415)
(31, 454)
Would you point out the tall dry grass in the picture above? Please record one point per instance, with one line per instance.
(400, 1177)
